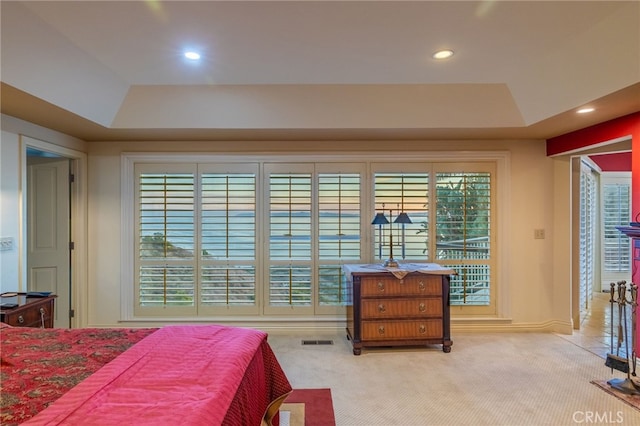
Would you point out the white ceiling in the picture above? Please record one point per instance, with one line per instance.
(112, 70)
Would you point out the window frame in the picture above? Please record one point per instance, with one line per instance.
(365, 196)
(244, 168)
(492, 261)
(397, 162)
(608, 276)
(159, 311)
(296, 169)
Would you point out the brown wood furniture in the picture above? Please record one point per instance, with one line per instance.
(30, 312)
(390, 311)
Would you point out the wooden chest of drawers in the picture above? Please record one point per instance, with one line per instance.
(30, 312)
(390, 311)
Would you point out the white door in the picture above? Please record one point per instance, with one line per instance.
(48, 260)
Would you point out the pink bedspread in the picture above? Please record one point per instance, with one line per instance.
(187, 375)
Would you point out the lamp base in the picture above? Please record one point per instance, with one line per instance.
(391, 263)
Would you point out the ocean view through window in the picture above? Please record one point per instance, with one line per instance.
(265, 238)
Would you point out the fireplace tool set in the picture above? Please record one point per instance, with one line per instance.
(626, 363)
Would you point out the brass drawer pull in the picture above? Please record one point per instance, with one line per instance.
(380, 286)
(421, 285)
(423, 329)
(381, 308)
(381, 329)
(422, 307)
(21, 319)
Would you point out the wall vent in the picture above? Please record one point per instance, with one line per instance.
(317, 342)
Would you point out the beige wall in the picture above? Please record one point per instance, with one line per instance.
(10, 211)
(16, 135)
(531, 296)
(535, 291)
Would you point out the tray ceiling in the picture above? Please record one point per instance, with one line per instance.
(103, 70)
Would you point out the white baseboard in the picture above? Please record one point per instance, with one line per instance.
(300, 326)
(493, 325)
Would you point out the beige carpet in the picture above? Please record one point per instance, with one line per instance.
(500, 379)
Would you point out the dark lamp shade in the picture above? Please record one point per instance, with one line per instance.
(403, 218)
(380, 219)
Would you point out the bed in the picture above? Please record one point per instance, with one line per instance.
(188, 375)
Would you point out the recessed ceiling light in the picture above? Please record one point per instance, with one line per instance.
(585, 110)
(443, 54)
(194, 56)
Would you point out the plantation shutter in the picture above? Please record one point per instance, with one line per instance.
(616, 211)
(290, 249)
(228, 239)
(408, 193)
(588, 199)
(464, 233)
(166, 244)
(261, 238)
(339, 236)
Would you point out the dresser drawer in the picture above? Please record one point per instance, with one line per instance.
(410, 329)
(30, 312)
(388, 311)
(424, 285)
(394, 308)
(29, 317)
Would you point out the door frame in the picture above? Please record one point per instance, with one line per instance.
(78, 212)
(622, 144)
(579, 311)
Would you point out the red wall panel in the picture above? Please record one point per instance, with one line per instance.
(621, 127)
(628, 125)
(615, 162)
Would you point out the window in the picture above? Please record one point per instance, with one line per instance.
(463, 233)
(257, 237)
(314, 228)
(228, 239)
(615, 211)
(339, 233)
(397, 193)
(290, 232)
(166, 239)
(189, 272)
(455, 229)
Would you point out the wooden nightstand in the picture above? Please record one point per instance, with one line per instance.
(390, 311)
(30, 311)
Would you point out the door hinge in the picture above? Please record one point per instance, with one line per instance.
(72, 313)
(72, 245)
(72, 178)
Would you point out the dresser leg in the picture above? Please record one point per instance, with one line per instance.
(357, 351)
(446, 346)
